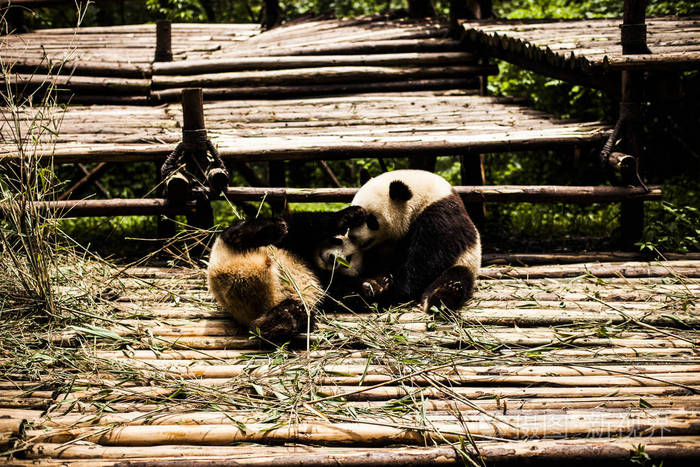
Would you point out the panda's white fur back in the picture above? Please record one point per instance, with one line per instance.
(248, 284)
(427, 188)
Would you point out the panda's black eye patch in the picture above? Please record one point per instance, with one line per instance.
(335, 241)
(372, 222)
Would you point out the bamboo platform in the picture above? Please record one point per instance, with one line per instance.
(115, 64)
(589, 50)
(365, 125)
(592, 362)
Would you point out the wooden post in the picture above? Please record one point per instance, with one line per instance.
(164, 51)
(192, 109)
(472, 174)
(470, 9)
(633, 38)
(420, 9)
(271, 14)
(277, 178)
(633, 30)
(16, 21)
(423, 163)
(193, 121)
(472, 165)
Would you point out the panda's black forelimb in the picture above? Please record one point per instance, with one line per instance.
(253, 233)
(306, 230)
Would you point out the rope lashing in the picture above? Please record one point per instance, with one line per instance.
(629, 112)
(195, 162)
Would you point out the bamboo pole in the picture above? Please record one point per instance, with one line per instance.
(140, 207)
(320, 75)
(351, 433)
(299, 88)
(111, 207)
(193, 67)
(549, 194)
(502, 406)
(627, 269)
(669, 448)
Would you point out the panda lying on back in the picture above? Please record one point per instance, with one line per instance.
(418, 224)
(271, 274)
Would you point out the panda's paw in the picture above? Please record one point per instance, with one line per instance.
(281, 323)
(274, 231)
(254, 233)
(373, 288)
(350, 217)
(449, 294)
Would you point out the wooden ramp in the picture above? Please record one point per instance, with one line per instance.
(587, 362)
(587, 51)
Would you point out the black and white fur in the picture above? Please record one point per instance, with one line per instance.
(272, 274)
(418, 225)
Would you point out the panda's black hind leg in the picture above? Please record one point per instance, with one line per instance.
(282, 322)
(452, 289)
(249, 234)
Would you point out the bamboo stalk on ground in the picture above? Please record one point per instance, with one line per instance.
(386, 393)
(593, 449)
(364, 434)
(503, 406)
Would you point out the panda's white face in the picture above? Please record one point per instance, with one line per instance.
(393, 200)
(340, 254)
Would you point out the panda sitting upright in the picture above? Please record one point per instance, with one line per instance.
(416, 222)
(272, 274)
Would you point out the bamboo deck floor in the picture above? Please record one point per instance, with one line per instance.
(587, 48)
(580, 362)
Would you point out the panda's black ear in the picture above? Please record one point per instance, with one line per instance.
(399, 191)
(364, 176)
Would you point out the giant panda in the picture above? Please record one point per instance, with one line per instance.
(416, 223)
(272, 274)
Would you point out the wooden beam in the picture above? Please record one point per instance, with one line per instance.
(504, 193)
(110, 207)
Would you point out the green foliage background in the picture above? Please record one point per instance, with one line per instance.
(672, 225)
